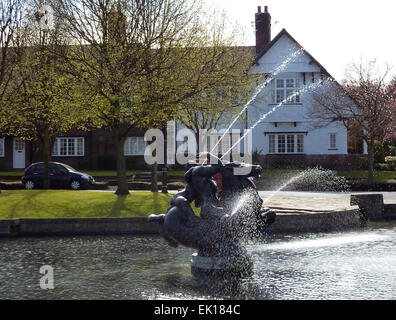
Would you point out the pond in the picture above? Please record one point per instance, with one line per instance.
(359, 264)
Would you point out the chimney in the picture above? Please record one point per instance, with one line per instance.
(263, 29)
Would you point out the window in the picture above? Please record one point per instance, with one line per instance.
(282, 89)
(300, 143)
(333, 141)
(281, 143)
(290, 143)
(223, 145)
(134, 146)
(2, 147)
(286, 143)
(68, 147)
(272, 143)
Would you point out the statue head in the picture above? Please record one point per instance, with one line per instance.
(236, 180)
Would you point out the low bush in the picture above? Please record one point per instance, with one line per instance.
(392, 150)
(385, 166)
(390, 160)
(379, 153)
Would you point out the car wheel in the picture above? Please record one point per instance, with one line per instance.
(30, 185)
(75, 185)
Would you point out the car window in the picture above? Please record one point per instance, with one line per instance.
(55, 168)
(37, 168)
(70, 168)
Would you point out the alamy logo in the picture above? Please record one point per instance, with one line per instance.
(47, 280)
(183, 146)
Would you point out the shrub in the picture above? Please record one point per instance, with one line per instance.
(390, 160)
(382, 166)
(379, 156)
(392, 150)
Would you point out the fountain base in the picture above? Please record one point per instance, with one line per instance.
(231, 266)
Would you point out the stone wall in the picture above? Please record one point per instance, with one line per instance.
(77, 226)
(296, 222)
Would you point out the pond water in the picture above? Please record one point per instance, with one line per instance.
(359, 264)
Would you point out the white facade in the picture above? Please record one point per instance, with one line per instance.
(288, 129)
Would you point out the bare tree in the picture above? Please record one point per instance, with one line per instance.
(362, 103)
(391, 131)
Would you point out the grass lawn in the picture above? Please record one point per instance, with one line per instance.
(11, 174)
(80, 204)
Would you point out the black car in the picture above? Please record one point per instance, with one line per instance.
(60, 174)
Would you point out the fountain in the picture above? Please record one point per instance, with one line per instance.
(222, 225)
(218, 232)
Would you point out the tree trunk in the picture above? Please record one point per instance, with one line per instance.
(46, 159)
(370, 150)
(154, 177)
(196, 133)
(122, 183)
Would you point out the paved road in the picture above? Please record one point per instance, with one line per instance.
(308, 200)
(315, 200)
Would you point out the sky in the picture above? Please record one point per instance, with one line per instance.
(335, 32)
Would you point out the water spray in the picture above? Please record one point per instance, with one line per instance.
(289, 98)
(279, 69)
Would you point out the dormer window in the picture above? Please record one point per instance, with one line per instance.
(285, 90)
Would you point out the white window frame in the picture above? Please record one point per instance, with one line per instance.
(56, 150)
(272, 143)
(223, 145)
(2, 147)
(282, 143)
(281, 88)
(133, 150)
(332, 141)
(299, 146)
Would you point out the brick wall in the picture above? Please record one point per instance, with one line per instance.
(334, 162)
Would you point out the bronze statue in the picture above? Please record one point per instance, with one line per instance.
(222, 222)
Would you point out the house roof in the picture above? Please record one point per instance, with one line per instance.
(322, 69)
(278, 36)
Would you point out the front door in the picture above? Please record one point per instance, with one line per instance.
(19, 154)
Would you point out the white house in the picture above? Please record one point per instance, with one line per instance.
(287, 134)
